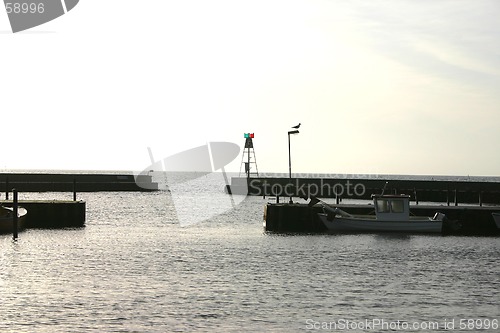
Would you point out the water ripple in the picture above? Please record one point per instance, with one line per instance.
(132, 270)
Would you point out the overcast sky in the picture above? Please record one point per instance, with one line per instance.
(383, 87)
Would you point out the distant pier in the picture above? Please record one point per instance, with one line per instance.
(439, 191)
(79, 182)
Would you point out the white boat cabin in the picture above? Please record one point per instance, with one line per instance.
(392, 207)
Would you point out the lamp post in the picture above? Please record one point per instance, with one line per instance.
(290, 157)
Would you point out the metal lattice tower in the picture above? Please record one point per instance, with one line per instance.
(248, 158)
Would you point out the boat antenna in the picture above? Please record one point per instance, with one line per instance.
(385, 186)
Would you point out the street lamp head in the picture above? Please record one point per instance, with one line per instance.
(289, 155)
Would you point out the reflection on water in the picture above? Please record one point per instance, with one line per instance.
(133, 268)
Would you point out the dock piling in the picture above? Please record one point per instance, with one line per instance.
(74, 189)
(15, 209)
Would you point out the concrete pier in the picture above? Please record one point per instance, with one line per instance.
(66, 214)
(68, 182)
(462, 220)
(52, 214)
(442, 191)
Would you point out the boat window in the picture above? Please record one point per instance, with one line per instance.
(397, 206)
(382, 206)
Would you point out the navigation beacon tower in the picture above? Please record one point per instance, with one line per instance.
(250, 157)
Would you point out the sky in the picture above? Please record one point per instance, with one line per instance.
(379, 86)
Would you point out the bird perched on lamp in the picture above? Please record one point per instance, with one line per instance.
(296, 126)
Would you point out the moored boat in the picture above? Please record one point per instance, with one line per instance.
(392, 214)
(7, 219)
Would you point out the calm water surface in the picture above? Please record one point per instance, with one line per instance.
(133, 268)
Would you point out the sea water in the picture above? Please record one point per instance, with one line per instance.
(134, 268)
